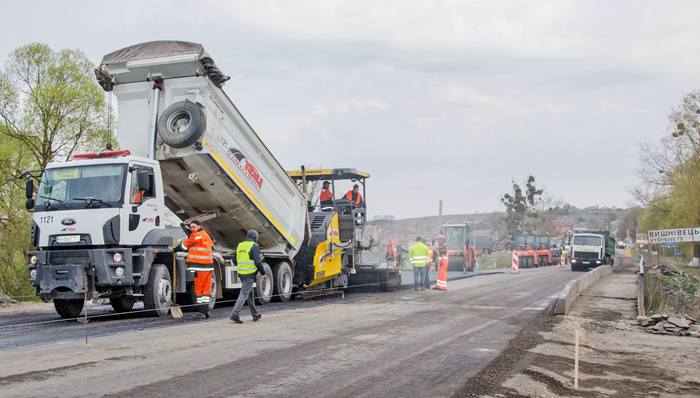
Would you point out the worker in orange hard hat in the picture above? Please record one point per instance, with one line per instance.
(442, 263)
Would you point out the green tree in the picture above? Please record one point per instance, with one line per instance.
(670, 172)
(628, 226)
(522, 208)
(51, 104)
(14, 221)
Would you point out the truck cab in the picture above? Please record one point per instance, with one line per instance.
(95, 217)
(587, 251)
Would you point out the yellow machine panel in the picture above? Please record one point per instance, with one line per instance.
(328, 256)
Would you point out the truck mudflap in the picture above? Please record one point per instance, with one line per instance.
(371, 280)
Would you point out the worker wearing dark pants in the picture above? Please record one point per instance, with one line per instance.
(249, 264)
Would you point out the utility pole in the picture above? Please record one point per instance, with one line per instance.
(440, 220)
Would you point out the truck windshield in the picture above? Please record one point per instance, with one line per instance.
(70, 187)
(588, 240)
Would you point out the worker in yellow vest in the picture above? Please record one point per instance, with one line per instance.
(418, 255)
(249, 264)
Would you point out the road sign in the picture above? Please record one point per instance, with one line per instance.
(669, 245)
(674, 235)
(678, 252)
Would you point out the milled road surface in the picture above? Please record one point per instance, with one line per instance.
(403, 343)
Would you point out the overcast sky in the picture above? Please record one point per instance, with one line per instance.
(437, 100)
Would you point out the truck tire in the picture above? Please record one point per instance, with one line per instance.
(263, 287)
(283, 282)
(122, 304)
(159, 292)
(68, 308)
(182, 124)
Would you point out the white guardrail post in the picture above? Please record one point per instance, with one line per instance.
(640, 299)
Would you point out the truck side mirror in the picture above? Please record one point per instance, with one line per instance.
(144, 181)
(29, 204)
(29, 189)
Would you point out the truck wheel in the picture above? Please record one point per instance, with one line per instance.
(122, 304)
(158, 293)
(263, 287)
(182, 124)
(68, 308)
(282, 273)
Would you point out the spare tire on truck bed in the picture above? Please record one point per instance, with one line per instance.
(182, 124)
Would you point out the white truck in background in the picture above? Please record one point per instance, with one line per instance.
(98, 219)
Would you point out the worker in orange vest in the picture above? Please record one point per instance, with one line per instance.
(442, 263)
(390, 254)
(326, 197)
(354, 195)
(200, 260)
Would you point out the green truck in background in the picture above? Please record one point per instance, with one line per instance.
(592, 248)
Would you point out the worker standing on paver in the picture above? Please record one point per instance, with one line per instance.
(418, 255)
(249, 264)
(442, 262)
(391, 254)
(200, 260)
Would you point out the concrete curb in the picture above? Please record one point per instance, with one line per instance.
(577, 286)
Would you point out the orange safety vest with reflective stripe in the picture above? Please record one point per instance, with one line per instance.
(199, 246)
(349, 196)
(326, 195)
(391, 254)
(430, 260)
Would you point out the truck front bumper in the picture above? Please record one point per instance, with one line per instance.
(591, 262)
(66, 274)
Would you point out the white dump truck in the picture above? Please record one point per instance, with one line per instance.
(99, 219)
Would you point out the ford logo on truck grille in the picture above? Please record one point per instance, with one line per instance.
(68, 221)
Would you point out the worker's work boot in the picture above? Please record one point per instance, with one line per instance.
(257, 317)
(236, 319)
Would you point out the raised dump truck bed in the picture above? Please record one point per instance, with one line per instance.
(213, 162)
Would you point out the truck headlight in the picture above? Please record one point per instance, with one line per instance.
(573, 261)
(119, 271)
(32, 260)
(117, 258)
(32, 274)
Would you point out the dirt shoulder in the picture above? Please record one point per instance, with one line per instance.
(617, 357)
